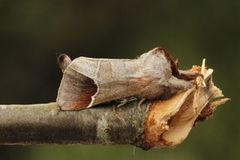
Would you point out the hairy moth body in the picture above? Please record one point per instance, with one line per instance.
(87, 82)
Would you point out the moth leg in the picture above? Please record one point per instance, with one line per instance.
(121, 103)
(140, 103)
(125, 101)
(56, 111)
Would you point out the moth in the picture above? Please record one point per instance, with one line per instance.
(88, 82)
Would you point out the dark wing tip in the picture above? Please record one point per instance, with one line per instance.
(63, 60)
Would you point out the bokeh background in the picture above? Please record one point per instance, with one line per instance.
(32, 31)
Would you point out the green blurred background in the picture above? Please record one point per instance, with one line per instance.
(32, 31)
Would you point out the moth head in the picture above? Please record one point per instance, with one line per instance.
(176, 72)
(160, 52)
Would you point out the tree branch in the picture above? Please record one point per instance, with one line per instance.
(45, 123)
(161, 123)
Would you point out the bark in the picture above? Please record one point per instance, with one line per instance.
(45, 123)
(160, 123)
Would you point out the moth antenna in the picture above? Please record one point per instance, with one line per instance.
(63, 61)
(188, 75)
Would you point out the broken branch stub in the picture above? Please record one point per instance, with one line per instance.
(169, 121)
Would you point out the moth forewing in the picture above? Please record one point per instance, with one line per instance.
(89, 81)
(76, 90)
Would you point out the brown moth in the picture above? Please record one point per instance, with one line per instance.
(87, 82)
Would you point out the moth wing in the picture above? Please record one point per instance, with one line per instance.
(76, 91)
(131, 87)
(87, 82)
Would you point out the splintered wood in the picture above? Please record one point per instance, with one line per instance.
(169, 121)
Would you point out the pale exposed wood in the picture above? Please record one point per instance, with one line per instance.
(169, 122)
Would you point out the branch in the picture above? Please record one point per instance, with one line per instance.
(162, 123)
(45, 123)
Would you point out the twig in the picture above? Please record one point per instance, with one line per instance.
(161, 123)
